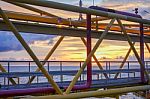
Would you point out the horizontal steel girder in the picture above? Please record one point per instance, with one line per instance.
(72, 8)
(66, 22)
(53, 30)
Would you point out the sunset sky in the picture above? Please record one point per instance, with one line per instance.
(71, 48)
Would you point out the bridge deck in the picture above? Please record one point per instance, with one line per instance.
(64, 71)
(98, 82)
(103, 83)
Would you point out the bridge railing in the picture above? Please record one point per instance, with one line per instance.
(64, 71)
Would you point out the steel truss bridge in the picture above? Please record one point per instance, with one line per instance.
(121, 26)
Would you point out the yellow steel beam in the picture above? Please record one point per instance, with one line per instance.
(148, 48)
(72, 8)
(88, 57)
(116, 28)
(4, 70)
(133, 48)
(31, 8)
(96, 60)
(32, 17)
(98, 18)
(52, 15)
(55, 20)
(35, 18)
(98, 93)
(48, 56)
(44, 19)
(47, 13)
(30, 52)
(124, 60)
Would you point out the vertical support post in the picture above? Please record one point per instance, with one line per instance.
(80, 75)
(96, 24)
(8, 72)
(61, 69)
(89, 64)
(48, 66)
(29, 68)
(142, 52)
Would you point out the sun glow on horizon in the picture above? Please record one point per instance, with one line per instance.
(72, 49)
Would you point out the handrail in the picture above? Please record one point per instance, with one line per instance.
(62, 61)
(66, 72)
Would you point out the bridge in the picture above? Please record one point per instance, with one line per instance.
(121, 26)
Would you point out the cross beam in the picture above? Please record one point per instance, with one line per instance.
(64, 31)
(88, 57)
(72, 8)
(30, 52)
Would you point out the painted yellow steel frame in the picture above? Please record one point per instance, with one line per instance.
(124, 60)
(88, 57)
(133, 48)
(31, 8)
(4, 70)
(98, 93)
(44, 13)
(49, 14)
(148, 48)
(47, 57)
(96, 60)
(30, 52)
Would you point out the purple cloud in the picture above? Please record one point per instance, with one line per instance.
(8, 42)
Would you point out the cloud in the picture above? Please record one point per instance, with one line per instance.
(8, 41)
(70, 48)
(128, 6)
